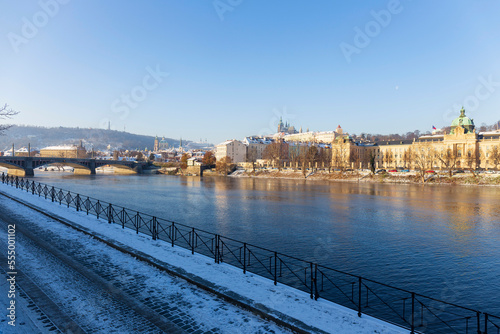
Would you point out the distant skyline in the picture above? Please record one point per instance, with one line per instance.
(222, 69)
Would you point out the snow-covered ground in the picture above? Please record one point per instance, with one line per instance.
(280, 300)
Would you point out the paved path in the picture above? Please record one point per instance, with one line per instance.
(97, 289)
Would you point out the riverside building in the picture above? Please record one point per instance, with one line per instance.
(462, 148)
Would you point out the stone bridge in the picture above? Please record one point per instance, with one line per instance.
(25, 166)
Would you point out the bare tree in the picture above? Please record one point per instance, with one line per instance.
(471, 161)
(341, 154)
(294, 152)
(208, 159)
(407, 157)
(5, 113)
(388, 159)
(423, 157)
(224, 165)
(494, 156)
(448, 158)
(356, 158)
(276, 152)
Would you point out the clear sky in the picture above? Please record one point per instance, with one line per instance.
(216, 70)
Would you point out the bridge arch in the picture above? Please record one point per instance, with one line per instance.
(120, 167)
(77, 167)
(14, 169)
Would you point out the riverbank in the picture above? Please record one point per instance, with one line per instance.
(260, 295)
(397, 177)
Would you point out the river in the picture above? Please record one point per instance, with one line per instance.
(441, 241)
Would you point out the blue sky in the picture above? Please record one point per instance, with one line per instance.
(222, 69)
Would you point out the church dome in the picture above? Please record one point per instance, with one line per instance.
(463, 121)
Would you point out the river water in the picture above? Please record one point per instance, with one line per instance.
(440, 241)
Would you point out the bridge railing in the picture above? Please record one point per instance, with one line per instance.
(410, 310)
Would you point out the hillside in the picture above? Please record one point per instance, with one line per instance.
(40, 137)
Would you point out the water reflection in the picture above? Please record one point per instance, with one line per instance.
(438, 240)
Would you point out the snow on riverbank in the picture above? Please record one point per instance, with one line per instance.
(296, 304)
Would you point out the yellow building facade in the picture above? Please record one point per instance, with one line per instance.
(66, 151)
(462, 148)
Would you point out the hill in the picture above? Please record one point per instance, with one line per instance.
(99, 139)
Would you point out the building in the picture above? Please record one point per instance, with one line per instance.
(311, 137)
(286, 128)
(160, 145)
(64, 151)
(255, 147)
(234, 149)
(461, 148)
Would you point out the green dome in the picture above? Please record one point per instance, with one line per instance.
(463, 121)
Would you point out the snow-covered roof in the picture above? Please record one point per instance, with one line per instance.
(61, 147)
(257, 140)
(432, 136)
(227, 142)
(494, 132)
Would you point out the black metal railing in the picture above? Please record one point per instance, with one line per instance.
(410, 310)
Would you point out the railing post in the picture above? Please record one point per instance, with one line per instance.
(359, 296)
(137, 223)
(78, 202)
(172, 233)
(87, 206)
(478, 316)
(109, 213)
(123, 218)
(244, 258)
(98, 208)
(316, 293)
(32, 187)
(217, 245)
(52, 194)
(486, 323)
(412, 312)
(17, 181)
(153, 228)
(192, 242)
(275, 268)
(3, 177)
(216, 250)
(312, 281)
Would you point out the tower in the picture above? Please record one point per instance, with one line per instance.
(155, 147)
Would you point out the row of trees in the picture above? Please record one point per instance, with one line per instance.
(297, 155)
(423, 157)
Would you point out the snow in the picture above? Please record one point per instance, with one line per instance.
(61, 147)
(296, 304)
(227, 142)
(24, 314)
